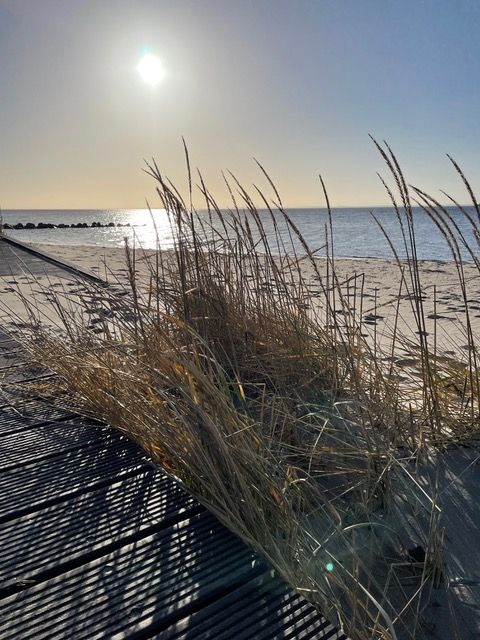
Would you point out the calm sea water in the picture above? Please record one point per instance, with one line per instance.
(355, 232)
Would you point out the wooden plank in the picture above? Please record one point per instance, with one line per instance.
(262, 608)
(48, 440)
(25, 414)
(28, 255)
(15, 261)
(40, 485)
(96, 543)
(154, 581)
(23, 373)
(25, 389)
(88, 526)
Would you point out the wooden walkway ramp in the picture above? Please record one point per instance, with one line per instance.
(95, 542)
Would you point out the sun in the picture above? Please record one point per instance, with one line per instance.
(150, 69)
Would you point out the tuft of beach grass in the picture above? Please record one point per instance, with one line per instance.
(290, 425)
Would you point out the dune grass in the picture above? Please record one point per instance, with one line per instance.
(280, 415)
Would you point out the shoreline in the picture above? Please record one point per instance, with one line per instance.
(43, 247)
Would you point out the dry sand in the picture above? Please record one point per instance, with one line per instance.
(377, 291)
(459, 478)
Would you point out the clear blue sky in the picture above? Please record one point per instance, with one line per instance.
(298, 84)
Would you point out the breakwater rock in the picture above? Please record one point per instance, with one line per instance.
(19, 226)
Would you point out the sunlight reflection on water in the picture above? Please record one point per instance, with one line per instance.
(356, 233)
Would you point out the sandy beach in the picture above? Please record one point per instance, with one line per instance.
(383, 309)
(378, 297)
(377, 293)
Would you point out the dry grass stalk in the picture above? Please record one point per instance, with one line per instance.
(284, 420)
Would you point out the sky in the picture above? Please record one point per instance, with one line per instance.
(296, 84)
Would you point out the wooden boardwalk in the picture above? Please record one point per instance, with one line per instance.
(96, 542)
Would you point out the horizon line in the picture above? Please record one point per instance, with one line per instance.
(310, 207)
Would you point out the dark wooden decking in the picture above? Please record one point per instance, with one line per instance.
(95, 542)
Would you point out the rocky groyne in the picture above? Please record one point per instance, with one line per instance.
(19, 226)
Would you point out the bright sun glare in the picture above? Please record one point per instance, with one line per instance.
(150, 69)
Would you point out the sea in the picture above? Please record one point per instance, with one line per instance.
(356, 234)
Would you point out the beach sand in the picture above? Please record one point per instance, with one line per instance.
(378, 294)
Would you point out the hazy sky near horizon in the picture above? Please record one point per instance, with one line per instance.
(297, 84)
